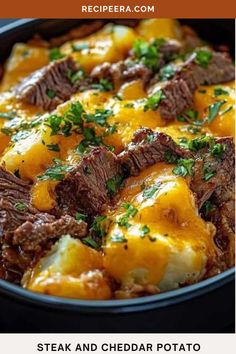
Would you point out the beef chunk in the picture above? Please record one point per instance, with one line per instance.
(49, 86)
(189, 75)
(130, 69)
(15, 205)
(86, 188)
(35, 233)
(148, 148)
(219, 190)
(222, 170)
(25, 232)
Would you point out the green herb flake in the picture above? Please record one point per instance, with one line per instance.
(51, 94)
(21, 206)
(79, 216)
(89, 241)
(118, 238)
(207, 172)
(208, 207)
(149, 192)
(8, 116)
(167, 72)
(170, 157)
(184, 167)
(144, 230)
(56, 173)
(218, 91)
(153, 101)
(203, 57)
(78, 47)
(213, 110)
(53, 147)
(97, 226)
(103, 85)
(114, 184)
(55, 54)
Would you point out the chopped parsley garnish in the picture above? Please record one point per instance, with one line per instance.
(167, 72)
(208, 207)
(183, 142)
(53, 147)
(75, 76)
(55, 54)
(8, 116)
(56, 173)
(213, 110)
(170, 157)
(203, 57)
(129, 105)
(189, 116)
(79, 216)
(207, 172)
(217, 150)
(89, 241)
(144, 230)
(51, 94)
(226, 110)
(219, 91)
(23, 134)
(77, 47)
(118, 238)
(99, 117)
(103, 85)
(153, 101)
(199, 143)
(113, 184)
(21, 206)
(184, 167)
(97, 226)
(148, 53)
(131, 211)
(202, 91)
(151, 191)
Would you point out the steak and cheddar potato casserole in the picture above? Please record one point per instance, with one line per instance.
(116, 161)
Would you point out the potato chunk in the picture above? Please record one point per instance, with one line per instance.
(70, 269)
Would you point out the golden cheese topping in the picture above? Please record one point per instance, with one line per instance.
(155, 236)
(156, 219)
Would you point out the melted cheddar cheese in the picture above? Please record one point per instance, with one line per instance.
(154, 233)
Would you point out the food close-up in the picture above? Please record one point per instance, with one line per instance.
(116, 160)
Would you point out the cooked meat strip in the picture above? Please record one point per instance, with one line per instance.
(49, 86)
(15, 205)
(25, 232)
(34, 234)
(85, 188)
(178, 92)
(148, 148)
(220, 190)
(221, 168)
(130, 69)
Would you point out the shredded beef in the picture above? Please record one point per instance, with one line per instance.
(85, 188)
(15, 205)
(34, 234)
(25, 232)
(130, 69)
(178, 92)
(49, 86)
(148, 148)
(220, 191)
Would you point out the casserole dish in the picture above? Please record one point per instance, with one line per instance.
(195, 308)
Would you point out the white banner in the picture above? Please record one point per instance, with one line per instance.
(117, 343)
